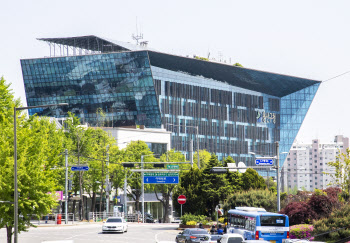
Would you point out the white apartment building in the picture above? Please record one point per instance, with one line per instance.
(306, 163)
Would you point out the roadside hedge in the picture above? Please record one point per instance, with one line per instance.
(191, 217)
(301, 231)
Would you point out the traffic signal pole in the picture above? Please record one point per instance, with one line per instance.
(143, 191)
(66, 189)
(107, 182)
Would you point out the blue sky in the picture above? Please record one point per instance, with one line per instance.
(308, 39)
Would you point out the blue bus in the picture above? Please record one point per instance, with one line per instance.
(257, 224)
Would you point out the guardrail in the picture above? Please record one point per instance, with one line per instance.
(99, 217)
(51, 219)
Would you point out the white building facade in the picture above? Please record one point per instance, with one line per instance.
(306, 166)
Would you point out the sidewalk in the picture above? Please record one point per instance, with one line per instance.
(77, 223)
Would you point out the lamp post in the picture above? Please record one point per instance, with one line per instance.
(15, 109)
(278, 176)
(198, 164)
(107, 181)
(277, 158)
(143, 186)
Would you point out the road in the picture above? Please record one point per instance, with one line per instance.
(86, 233)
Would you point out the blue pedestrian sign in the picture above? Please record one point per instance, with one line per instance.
(80, 168)
(161, 178)
(264, 161)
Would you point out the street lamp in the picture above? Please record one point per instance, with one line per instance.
(277, 158)
(198, 164)
(15, 109)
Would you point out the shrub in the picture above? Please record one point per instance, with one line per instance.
(299, 213)
(338, 219)
(301, 231)
(205, 222)
(222, 220)
(191, 223)
(191, 217)
(321, 204)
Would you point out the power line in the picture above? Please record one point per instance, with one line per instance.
(335, 77)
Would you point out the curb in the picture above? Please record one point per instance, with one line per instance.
(63, 225)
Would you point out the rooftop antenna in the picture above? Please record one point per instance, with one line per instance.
(138, 36)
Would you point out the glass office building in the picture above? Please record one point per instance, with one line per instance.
(227, 110)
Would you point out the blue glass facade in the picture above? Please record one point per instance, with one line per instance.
(120, 84)
(236, 110)
(232, 120)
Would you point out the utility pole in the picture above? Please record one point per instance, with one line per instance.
(191, 152)
(107, 182)
(278, 177)
(125, 196)
(143, 191)
(198, 164)
(66, 188)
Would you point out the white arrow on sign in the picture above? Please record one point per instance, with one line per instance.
(174, 180)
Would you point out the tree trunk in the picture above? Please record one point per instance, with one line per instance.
(137, 202)
(93, 204)
(9, 234)
(166, 209)
(101, 197)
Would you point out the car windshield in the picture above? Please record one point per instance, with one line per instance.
(199, 232)
(114, 220)
(234, 240)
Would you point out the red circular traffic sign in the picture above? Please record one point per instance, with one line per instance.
(181, 199)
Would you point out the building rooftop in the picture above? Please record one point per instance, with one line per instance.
(95, 43)
(274, 84)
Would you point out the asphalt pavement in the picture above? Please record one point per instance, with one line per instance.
(92, 232)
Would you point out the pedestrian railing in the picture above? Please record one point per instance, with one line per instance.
(101, 216)
(57, 218)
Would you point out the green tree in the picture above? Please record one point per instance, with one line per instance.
(233, 178)
(252, 180)
(166, 190)
(204, 157)
(215, 186)
(38, 146)
(190, 186)
(133, 152)
(341, 177)
(76, 146)
(98, 144)
(252, 198)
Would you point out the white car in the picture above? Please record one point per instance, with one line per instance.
(115, 224)
(231, 238)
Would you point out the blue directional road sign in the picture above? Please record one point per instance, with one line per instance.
(264, 161)
(80, 168)
(161, 178)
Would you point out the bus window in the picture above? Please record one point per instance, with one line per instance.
(272, 220)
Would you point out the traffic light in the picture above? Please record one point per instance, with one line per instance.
(70, 195)
(159, 165)
(128, 164)
(69, 185)
(218, 170)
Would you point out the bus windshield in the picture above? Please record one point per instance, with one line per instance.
(273, 221)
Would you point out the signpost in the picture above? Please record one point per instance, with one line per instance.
(264, 161)
(172, 167)
(182, 200)
(80, 168)
(161, 178)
